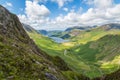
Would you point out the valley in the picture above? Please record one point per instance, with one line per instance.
(85, 53)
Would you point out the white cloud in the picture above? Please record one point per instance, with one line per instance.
(96, 15)
(100, 3)
(80, 10)
(34, 10)
(7, 4)
(65, 9)
(41, 1)
(35, 14)
(61, 2)
(103, 3)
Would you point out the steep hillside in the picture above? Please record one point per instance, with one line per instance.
(103, 55)
(28, 28)
(20, 58)
(103, 47)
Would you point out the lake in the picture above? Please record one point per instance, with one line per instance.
(59, 40)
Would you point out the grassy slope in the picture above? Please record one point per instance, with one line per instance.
(92, 35)
(18, 64)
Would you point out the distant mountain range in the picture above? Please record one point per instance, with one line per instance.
(105, 26)
(109, 26)
(78, 28)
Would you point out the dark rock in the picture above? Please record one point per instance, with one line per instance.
(50, 76)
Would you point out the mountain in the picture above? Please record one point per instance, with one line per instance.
(105, 26)
(101, 55)
(105, 48)
(20, 58)
(28, 28)
(75, 32)
(43, 32)
(55, 33)
(78, 28)
(110, 26)
(65, 36)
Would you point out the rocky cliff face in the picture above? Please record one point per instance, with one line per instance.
(20, 58)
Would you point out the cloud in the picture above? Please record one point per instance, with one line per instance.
(41, 1)
(100, 12)
(97, 15)
(7, 4)
(61, 2)
(103, 3)
(100, 3)
(35, 14)
(65, 9)
(34, 10)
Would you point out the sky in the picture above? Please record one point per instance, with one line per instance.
(62, 14)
